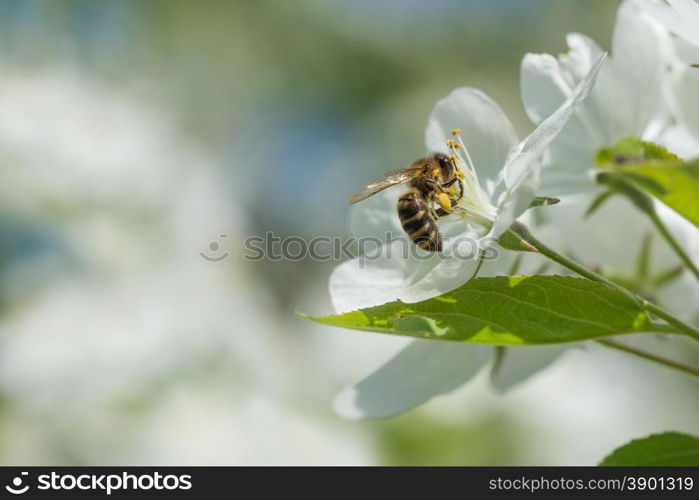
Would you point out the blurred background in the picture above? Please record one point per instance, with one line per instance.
(135, 136)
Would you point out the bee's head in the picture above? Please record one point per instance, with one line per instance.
(445, 166)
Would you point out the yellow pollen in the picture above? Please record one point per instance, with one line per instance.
(453, 158)
(456, 131)
(450, 143)
(444, 201)
(456, 145)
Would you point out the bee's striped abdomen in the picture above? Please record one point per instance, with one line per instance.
(418, 223)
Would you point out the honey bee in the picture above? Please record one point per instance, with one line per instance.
(432, 180)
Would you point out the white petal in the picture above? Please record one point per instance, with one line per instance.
(641, 50)
(422, 370)
(639, 44)
(485, 129)
(543, 86)
(681, 17)
(688, 10)
(684, 231)
(561, 178)
(532, 147)
(610, 238)
(681, 141)
(681, 297)
(521, 171)
(382, 275)
(397, 274)
(685, 89)
(520, 363)
(447, 275)
(546, 82)
(377, 216)
(519, 198)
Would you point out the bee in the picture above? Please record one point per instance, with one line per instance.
(432, 180)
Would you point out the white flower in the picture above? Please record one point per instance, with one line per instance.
(628, 99)
(501, 179)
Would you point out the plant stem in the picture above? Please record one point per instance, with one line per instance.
(650, 356)
(660, 225)
(662, 313)
(524, 233)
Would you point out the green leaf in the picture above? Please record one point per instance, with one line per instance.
(651, 169)
(512, 241)
(508, 310)
(667, 449)
(543, 201)
(619, 185)
(597, 202)
(630, 150)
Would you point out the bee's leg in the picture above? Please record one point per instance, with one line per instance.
(434, 185)
(451, 182)
(441, 198)
(461, 187)
(436, 210)
(443, 208)
(444, 201)
(440, 212)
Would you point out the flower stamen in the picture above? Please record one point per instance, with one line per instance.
(475, 204)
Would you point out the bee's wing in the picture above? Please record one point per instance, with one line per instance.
(389, 179)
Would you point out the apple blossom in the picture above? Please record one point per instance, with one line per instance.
(628, 99)
(501, 178)
(500, 182)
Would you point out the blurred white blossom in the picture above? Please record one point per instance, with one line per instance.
(679, 16)
(631, 98)
(144, 352)
(628, 100)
